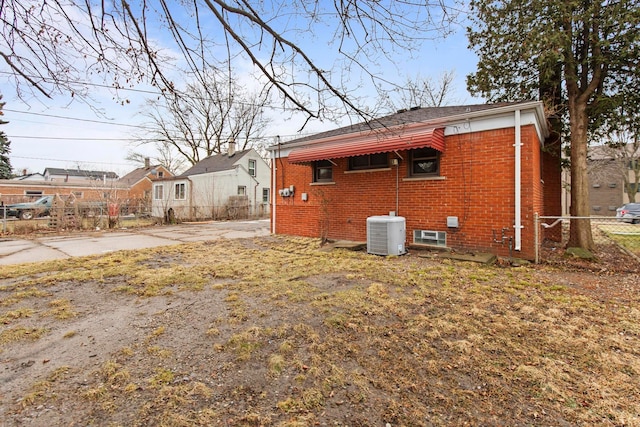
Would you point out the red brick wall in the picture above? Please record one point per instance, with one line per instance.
(552, 184)
(478, 188)
(13, 193)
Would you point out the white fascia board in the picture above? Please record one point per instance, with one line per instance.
(502, 121)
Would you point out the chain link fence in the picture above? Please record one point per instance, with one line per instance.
(609, 233)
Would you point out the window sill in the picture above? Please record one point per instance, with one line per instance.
(425, 178)
(323, 183)
(367, 170)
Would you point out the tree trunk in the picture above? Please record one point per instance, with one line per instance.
(580, 230)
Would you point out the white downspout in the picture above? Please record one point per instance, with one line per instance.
(518, 184)
(273, 196)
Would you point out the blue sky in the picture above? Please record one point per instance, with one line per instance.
(64, 133)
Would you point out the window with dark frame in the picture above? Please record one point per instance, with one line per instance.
(322, 171)
(424, 162)
(180, 193)
(369, 161)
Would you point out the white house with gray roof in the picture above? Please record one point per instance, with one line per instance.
(224, 186)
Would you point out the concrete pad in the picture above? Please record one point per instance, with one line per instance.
(352, 246)
(50, 247)
(8, 247)
(236, 234)
(481, 257)
(32, 254)
(108, 243)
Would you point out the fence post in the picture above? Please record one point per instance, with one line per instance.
(536, 232)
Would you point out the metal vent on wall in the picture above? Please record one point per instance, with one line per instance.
(386, 235)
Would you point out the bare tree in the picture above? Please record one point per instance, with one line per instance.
(422, 92)
(202, 121)
(165, 156)
(56, 46)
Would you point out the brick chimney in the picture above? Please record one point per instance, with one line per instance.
(232, 147)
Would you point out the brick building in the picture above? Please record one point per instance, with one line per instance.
(132, 190)
(608, 168)
(466, 178)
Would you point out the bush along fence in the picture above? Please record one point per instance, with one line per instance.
(552, 232)
(234, 208)
(69, 214)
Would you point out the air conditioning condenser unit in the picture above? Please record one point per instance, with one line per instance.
(386, 235)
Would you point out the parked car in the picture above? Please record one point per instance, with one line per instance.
(29, 210)
(629, 213)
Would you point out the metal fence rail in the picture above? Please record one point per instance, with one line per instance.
(553, 232)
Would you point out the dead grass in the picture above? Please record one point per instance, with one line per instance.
(275, 332)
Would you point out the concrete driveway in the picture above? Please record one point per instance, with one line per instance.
(17, 251)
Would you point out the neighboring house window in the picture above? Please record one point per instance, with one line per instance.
(78, 194)
(160, 174)
(424, 162)
(158, 192)
(369, 161)
(252, 167)
(180, 193)
(31, 193)
(322, 171)
(265, 195)
(242, 190)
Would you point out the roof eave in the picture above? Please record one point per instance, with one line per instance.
(439, 122)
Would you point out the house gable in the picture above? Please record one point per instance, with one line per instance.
(216, 163)
(214, 183)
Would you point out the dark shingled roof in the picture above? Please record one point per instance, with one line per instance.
(216, 163)
(413, 115)
(82, 173)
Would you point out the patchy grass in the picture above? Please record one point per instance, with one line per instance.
(20, 334)
(60, 309)
(625, 235)
(276, 332)
(42, 391)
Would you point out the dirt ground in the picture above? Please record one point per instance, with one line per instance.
(277, 331)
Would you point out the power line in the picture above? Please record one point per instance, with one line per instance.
(125, 125)
(47, 138)
(69, 161)
(73, 118)
(155, 93)
(50, 80)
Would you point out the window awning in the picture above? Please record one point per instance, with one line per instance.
(370, 144)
